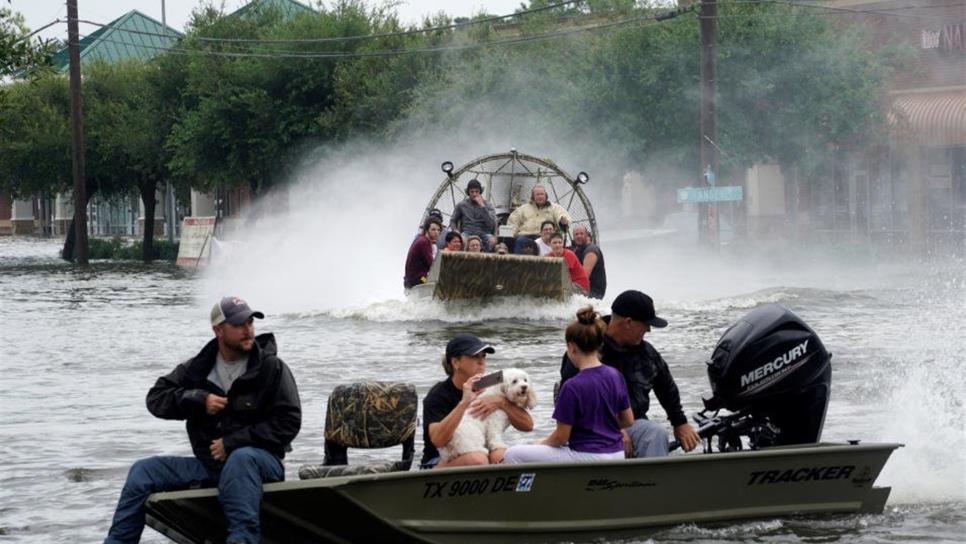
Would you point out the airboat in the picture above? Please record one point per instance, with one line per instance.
(507, 180)
(763, 458)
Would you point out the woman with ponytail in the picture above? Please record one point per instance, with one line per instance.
(592, 408)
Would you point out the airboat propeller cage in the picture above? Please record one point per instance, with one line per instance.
(508, 179)
(772, 365)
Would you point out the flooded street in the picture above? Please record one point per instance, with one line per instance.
(80, 348)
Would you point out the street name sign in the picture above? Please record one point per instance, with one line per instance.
(728, 193)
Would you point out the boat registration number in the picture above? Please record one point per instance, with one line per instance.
(478, 486)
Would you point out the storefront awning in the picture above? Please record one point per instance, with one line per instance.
(936, 118)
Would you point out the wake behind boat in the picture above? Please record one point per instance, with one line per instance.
(770, 375)
(506, 181)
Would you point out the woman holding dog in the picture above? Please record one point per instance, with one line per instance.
(454, 398)
(592, 408)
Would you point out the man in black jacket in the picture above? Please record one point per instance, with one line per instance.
(643, 368)
(242, 412)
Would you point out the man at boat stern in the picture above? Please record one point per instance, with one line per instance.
(643, 368)
(242, 411)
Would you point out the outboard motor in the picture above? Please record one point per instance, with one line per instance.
(771, 371)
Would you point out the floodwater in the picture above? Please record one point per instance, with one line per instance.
(79, 349)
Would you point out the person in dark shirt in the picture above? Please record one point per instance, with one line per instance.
(421, 253)
(643, 368)
(452, 399)
(242, 410)
(592, 259)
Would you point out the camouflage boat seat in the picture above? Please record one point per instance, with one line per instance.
(367, 415)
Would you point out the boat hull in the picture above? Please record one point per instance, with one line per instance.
(485, 276)
(548, 502)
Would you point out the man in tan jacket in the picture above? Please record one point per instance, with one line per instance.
(527, 219)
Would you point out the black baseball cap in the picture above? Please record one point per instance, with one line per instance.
(233, 310)
(638, 306)
(466, 344)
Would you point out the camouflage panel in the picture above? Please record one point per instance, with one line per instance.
(464, 275)
(311, 472)
(371, 414)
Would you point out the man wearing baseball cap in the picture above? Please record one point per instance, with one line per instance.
(242, 411)
(454, 398)
(643, 368)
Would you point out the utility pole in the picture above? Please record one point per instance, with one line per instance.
(77, 137)
(708, 212)
(172, 220)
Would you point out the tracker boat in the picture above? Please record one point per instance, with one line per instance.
(770, 376)
(507, 179)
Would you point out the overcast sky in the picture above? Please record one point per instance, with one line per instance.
(40, 12)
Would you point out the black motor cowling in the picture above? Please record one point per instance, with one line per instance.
(771, 370)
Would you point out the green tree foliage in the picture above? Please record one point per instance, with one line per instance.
(790, 84)
(127, 126)
(242, 113)
(248, 109)
(35, 137)
(18, 52)
(792, 87)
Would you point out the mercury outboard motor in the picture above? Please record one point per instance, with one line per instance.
(771, 371)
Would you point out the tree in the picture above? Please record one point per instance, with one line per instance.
(245, 119)
(35, 138)
(18, 52)
(237, 119)
(789, 82)
(127, 126)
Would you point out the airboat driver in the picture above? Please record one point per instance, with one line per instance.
(421, 253)
(592, 260)
(632, 316)
(475, 216)
(527, 219)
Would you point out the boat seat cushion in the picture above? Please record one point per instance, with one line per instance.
(371, 414)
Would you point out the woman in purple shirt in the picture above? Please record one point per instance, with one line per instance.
(592, 408)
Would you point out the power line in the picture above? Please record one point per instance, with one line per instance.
(390, 52)
(351, 38)
(826, 10)
(46, 26)
(885, 12)
(276, 53)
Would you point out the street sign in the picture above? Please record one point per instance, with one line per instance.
(196, 240)
(689, 195)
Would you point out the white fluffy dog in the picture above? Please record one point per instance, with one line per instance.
(485, 435)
